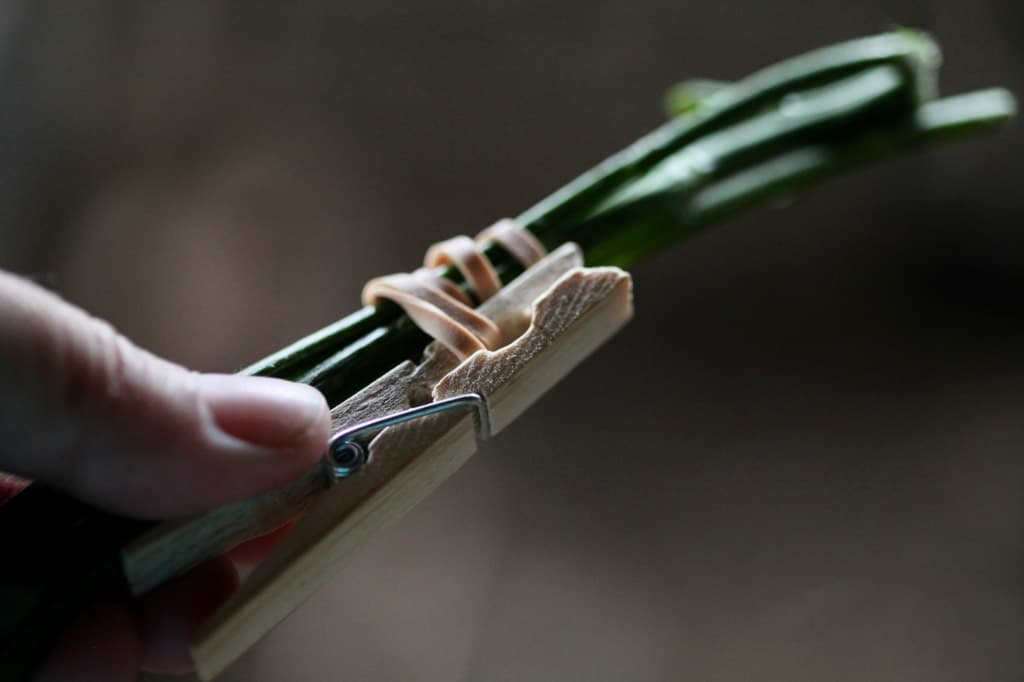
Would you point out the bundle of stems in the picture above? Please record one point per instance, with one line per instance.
(727, 147)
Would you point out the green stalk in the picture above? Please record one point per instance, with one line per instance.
(913, 53)
(664, 220)
(831, 112)
(934, 122)
(767, 136)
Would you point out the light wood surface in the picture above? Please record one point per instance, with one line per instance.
(175, 546)
(557, 313)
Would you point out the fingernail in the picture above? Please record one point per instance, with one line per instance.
(263, 411)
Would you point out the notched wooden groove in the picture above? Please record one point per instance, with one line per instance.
(567, 312)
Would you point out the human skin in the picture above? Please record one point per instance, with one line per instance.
(84, 410)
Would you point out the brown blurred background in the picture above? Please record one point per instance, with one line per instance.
(802, 461)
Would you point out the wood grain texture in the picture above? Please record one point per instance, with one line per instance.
(571, 320)
(175, 546)
(556, 312)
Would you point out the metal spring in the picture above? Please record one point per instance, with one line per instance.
(348, 451)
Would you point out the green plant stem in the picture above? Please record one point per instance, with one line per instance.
(667, 219)
(763, 138)
(650, 226)
(914, 54)
(934, 122)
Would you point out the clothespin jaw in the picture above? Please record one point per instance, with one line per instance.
(557, 313)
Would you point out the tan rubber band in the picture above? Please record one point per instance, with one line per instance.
(444, 284)
(439, 306)
(464, 254)
(521, 243)
(457, 326)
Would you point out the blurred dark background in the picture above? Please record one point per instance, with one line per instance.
(800, 462)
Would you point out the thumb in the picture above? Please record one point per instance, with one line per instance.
(83, 409)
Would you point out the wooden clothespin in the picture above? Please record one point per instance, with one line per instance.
(556, 313)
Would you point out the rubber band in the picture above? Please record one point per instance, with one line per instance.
(440, 307)
(464, 254)
(456, 325)
(444, 284)
(521, 243)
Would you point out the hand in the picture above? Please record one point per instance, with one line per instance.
(84, 410)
